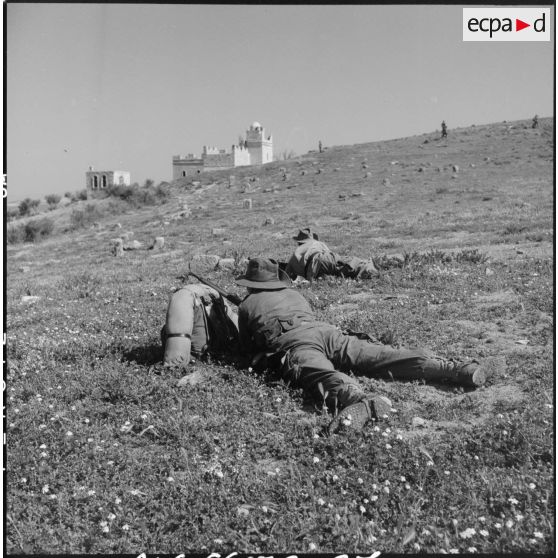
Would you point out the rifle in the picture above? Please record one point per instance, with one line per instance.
(231, 297)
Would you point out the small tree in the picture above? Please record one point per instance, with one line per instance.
(149, 183)
(52, 200)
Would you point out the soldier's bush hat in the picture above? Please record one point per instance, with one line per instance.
(305, 234)
(264, 273)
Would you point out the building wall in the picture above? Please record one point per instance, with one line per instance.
(186, 166)
(241, 156)
(99, 180)
(216, 161)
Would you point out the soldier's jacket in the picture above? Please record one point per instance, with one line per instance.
(302, 256)
(265, 315)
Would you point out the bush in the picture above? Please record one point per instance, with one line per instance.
(38, 229)
(12, 213)
(80, 218)
(82, 195)
(68, 195)
(15, 234)
(137, 195)
(28, 206)
(52, 200)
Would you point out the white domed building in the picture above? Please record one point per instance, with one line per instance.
(256, 149)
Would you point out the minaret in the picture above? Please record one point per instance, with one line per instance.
(259, 147)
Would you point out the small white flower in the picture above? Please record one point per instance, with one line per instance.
(73, 407)
(53, 496)
(498, 525)
(312, 546)
(321, 502)
(453, 551)
(430, 463)
(218, 541)
(42, 426)
(106, 529)
(337, 517)
(388, 446)
(399, 437)
(513, 501)
(316, 459)
(482, 519)
(484, 532)
(402, 479)
(467, 534)
(362, 509)
(125, 527)
(69, 434)
(373, 498)
(509, 523)
(42, 446)
(425, 532)
(447, 473)
(518, 517)
(335, 478)
(144, 417)
(45, 489)
(90, 493)
(360, 481)
(44, 454)
(111, 517)
(538, 535)
(376, 429)
(407, 486)
(23, 479)
(90, 440)
(170, 479)
(117, 501)
(416, 546)
(386, 489)
(532, 485)
(86, 421)
(471, 549)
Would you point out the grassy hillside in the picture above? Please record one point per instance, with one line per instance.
(107, 454)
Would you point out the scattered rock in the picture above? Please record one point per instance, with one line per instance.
(522, 342)
(116, 226)
(386, 182)
(342, 196)
(134, 245)
(226, 263)
(218, 232)
(488, 272)
(364, 166)
(455, 168)
(418, 422)
(336, 169)
(24, 269)
(117, 246)
(269, 221)
(192, 379)
(368, 174)
(30, 299)
(158, 243)
(246, 204)
(207, 259)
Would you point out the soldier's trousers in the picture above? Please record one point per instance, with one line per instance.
(318, 353)
(333, 264)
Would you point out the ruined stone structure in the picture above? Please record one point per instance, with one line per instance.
(98, 180)
(256, 149)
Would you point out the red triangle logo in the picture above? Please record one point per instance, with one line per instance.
(519, 25)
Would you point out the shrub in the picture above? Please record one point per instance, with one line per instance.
(12, 213)
(15, 234)
(68, 195)
(28, 206)
(52, 200)
(82, 195)
(38, 229)
(80, 218)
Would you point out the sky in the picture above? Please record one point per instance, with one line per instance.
(127, 86)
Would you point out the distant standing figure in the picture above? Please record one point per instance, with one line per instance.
(535, 121)
(444, 129)
(320, 148)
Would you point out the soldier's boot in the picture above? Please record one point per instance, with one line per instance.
(355, 416)
(467, 374)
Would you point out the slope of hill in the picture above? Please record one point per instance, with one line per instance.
(107, 454)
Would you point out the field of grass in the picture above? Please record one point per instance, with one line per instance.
(106, 454)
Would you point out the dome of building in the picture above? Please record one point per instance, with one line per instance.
(255, 125)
